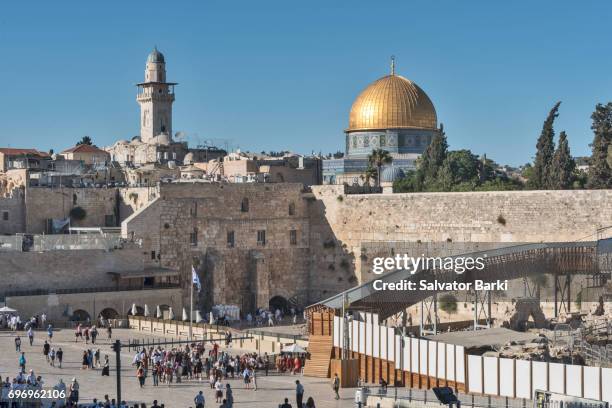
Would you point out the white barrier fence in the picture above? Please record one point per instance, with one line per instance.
(481, 375)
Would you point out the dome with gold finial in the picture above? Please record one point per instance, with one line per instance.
(392, 102)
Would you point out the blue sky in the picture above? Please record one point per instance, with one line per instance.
(275, 75)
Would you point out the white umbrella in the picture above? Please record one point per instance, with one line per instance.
(198, 317)
(170, 314)
(158, 312)
(7, 309)
(146, 312)
(185, 318)
(294, 348)
(134, 310)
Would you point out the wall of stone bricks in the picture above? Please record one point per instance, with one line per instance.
(22, 271)
(43, 203)
(249, 274)
(13, 204)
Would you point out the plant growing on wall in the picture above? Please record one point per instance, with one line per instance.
(448, 304)
(78, 213)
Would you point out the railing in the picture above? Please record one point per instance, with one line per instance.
(38, 292)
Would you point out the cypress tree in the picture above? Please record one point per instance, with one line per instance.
(600, 174)
(563, 165)
(432, 160)
(545, 149)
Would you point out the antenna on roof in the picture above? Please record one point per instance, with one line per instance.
(393, 65)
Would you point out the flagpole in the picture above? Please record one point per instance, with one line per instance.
(191, 309)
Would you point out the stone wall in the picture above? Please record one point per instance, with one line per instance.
(12, 208)
(74, 269)
(43, 203)
(490, 219)
(248, 274)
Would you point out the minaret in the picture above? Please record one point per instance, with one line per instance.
(155, 97)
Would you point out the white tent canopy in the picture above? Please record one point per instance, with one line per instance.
(294, 348)
(6, 309)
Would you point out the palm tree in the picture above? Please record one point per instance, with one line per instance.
(379, 158)
(370, 173)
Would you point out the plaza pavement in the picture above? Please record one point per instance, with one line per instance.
(271, 390)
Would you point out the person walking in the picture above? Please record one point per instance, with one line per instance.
(73, 392)
(140, 374)
(18, 344)
(50, 332)
(22, 362)
(46, 349)
(109, 331)
(60, 356)
(52, 357)
(266, 363)
(218, 390)
(299, 393)
(336, 385)
(31, 336)
(199, 400)
(106, 366)
(155, 373)
(229, 396)
(94, 334)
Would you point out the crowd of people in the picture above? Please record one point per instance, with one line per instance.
(154, 366)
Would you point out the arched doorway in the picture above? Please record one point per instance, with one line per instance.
(279, 302)
(80, 315)
(109, 313)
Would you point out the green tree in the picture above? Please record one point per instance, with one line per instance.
(377, 159)
(85, 140)
(545, 149)
(563, 165)
(370, 173)
(460, 166)
(448, 304)
(600, 174)
(432, 160)
(406, 184)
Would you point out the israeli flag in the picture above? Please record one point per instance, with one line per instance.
(195, 279)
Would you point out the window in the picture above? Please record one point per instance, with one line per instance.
(193, 210)
(230, 239)
(291, 208)
(74, 199)
(261, 237)
(293, 237)
(244, 206)
(193, 237)
(5, 215)
(153, 255)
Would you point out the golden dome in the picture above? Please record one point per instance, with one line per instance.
(392, 102)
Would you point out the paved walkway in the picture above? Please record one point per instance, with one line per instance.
(271, 390)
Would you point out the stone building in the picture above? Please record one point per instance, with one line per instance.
(250, 242)
(393, 114)
(87, 154)
(155, 144)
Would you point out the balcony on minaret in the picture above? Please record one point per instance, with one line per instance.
(155, 90)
